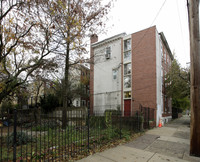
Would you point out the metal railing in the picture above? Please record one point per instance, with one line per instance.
(30, 135)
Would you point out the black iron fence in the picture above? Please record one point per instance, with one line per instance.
(29, 135)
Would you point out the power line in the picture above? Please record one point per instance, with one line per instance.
(180, 24)
(150, 25)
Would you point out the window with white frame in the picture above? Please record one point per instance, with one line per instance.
(165, 56)
(161, 49)
(127, 69)
(127, 50)
(127, 45)
(108, 52)
(114, 73)
(127, 56)
(127, 81)
(127, 94)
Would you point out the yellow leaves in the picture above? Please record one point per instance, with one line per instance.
(74, 46)
(26, 20)
(37, 52)
(11, 20)
(79, 28)
(52, 11)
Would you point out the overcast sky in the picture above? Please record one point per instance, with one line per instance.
(134, 15)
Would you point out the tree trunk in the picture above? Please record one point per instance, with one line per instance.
(195, 77)
(66, 88)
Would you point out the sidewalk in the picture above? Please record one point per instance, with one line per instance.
(169, 143)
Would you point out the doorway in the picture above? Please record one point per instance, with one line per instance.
(127, 107)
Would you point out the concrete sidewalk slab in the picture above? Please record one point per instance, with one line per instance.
(96, 158)
(162, 158)
(143, 142)
(190, 158)
(163, 131)
(168, 148)
(121, 153)
(128, 154)
(124, 153)
(182, 134)
(174, 139)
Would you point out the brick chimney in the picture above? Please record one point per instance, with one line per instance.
(93, 38)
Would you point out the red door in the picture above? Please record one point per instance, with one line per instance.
(127, 107)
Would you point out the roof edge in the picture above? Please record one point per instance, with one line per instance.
(105, 41)
(166, 44)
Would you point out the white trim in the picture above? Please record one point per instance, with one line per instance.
(126, 62)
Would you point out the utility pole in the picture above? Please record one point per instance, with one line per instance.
(193, 10)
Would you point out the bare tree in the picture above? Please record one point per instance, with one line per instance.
(75, 20)
(25, 42)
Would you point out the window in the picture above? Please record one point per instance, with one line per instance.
(127, 81)
(127, 69)
(127, 45)
(84, 89)
(165, 56)
(114, 73)
(161, 49)
(127, 50)
(108, 52)
(127, 56)
(83, 102)
(77, 104)
(169, 63)
(127, 94)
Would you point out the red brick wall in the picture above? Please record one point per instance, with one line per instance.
(93, 39)
(144, 68)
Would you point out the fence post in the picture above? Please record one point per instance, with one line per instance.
(148, 116)
(88, 129)
(138, 122)
(15, 135)
(120, 124)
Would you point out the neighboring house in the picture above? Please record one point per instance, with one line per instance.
(128, 71)
(36, 89)
(78, 87)
(81, 75)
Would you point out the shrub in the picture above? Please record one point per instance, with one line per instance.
(49, 103)
(109, 116)
(97, 121)
(45, 125)
(21, 138)
(112, 112)
(6, 105)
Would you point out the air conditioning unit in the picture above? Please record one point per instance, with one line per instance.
(107, 55)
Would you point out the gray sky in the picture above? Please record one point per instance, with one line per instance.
(133, 15)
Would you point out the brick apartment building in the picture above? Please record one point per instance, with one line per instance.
(128, 71)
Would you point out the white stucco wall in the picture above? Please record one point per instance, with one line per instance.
(159, 97)
(107, 91)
